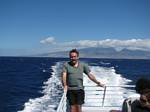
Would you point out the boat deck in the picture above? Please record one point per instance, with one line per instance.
(96, 109)
(98, 99)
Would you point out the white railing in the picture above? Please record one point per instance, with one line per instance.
(109, 96)
(62, 107)
(101, 97)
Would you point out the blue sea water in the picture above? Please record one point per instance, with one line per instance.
(22, 78)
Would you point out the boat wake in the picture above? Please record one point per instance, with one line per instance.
(52, 89)
(113, 81)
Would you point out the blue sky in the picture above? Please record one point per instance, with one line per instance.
(39, 26)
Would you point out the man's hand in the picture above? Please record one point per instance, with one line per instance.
(101, 85)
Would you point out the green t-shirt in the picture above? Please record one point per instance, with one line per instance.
(75, 75)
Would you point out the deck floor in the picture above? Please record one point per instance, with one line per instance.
(97, 109)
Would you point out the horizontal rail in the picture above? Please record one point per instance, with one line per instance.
(110, 86)
(107, 93)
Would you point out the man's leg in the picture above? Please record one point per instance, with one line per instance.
(76, 108)
(79, 108)
(76, 99)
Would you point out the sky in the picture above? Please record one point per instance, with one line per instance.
(39, 26)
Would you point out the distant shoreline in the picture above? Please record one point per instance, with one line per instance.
(80, 57)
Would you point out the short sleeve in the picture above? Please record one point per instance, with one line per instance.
(86, 69)
(64, 69)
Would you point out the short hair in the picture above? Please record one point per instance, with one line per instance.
(142, 84)
(74, 51)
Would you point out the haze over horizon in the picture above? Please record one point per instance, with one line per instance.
(30, 27)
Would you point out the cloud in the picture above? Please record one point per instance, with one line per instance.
(132, 44)
(49, 40)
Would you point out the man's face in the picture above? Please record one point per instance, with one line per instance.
(144, 101)
(74, 57)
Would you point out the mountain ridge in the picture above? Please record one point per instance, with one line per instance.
(96, 52)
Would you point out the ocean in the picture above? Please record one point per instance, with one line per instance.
(32, 84)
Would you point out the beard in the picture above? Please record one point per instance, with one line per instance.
(73, 62)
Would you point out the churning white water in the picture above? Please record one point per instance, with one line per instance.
(52, 89)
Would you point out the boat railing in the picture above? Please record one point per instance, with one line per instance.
(62, 107)
(107, 96)
(98, 97)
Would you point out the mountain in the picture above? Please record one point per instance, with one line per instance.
(96, 52)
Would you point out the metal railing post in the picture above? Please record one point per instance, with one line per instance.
(104, 97)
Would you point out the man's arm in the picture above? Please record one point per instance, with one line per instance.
(92, 77)
(64, 81)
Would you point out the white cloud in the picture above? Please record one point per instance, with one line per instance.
(129, 44)
(133, 44)
(49, 40)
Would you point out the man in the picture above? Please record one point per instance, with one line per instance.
(143, 103)
(72, 78)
